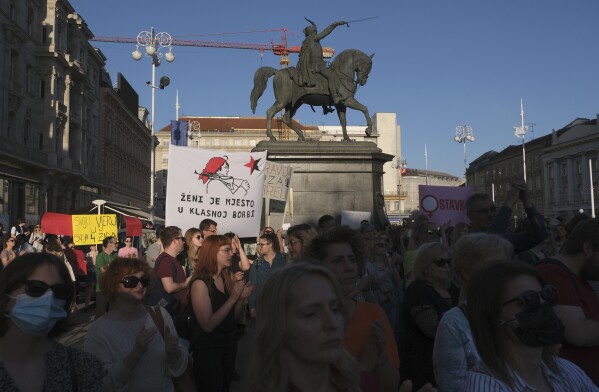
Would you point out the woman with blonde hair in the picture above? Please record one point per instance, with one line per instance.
(193, 244)
(299, 334)
(298, 239)
(454, 352)
(426, 299)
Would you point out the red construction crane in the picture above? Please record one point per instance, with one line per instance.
(279, 49)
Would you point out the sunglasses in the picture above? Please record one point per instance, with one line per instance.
(442, 262)
(131, 281)
(127, 240)
(531, 300)
(37, 288)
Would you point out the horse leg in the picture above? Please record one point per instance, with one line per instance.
(352, 103)
(287, 119)
(270, 113)
(343, 121)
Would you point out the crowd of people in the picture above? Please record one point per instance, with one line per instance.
(418, 307)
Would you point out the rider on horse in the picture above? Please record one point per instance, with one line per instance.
(312, 62)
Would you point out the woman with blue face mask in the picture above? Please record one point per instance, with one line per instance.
(35, 295)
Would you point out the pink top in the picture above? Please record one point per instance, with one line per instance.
(128, 252)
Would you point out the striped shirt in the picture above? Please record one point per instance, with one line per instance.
(570, 378)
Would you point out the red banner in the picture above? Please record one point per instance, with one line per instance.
(132, 226)
(54, 223)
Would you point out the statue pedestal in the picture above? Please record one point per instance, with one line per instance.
(329, 177)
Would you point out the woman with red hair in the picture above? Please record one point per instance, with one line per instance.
(216, 301)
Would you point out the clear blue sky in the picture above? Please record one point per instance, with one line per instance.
(438, 64)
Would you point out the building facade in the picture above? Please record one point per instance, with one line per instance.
(559, 168)
(52, 121)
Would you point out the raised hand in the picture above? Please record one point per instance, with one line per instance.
(143, 339)
(171, 343)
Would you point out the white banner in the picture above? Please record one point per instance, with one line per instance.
(353, 219)
(278, 178)
(221, 185)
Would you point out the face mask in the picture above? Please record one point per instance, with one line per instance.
(539, 327)
(37, 316)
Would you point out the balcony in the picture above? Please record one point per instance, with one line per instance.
(20, 152)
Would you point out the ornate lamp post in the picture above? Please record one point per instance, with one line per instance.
(463, 134)
(154, 44)
(520, 132)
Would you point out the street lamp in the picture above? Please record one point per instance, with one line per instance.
(463, 134)
(520, 133)
(154, 43)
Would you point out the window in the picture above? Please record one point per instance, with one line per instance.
(57, 89)
(164, 190)
(164, 159)
(208, 142)
(224, 142)
(42, 88)
(40, 142)
(12, 125)
(164, 173)
(253, 143)
(215, 142)
(238, 143)
(550, 171)
(578, 164)
(28, 78)
(166, 142)
(195, 143)
(30, 17)
(26, 132)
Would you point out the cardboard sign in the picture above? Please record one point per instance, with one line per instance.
(443, 204)
(277, 181)
(92, 229)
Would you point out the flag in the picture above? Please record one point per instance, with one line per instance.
(179, 133)
(224, 186)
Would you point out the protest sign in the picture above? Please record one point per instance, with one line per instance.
(353, 219)
(443, 204)
(92, 229)
(224, 186)
(277, 180)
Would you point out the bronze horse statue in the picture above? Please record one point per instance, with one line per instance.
(351, 68)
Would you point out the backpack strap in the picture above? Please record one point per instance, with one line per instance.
(156, 315)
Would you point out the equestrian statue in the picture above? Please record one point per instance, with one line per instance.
(314, 83)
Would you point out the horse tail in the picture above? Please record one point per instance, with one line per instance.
(260, 78)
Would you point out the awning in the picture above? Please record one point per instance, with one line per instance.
(128, 211)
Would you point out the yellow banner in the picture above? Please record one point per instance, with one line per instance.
(92, 229)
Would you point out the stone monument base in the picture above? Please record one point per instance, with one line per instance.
(329, 177)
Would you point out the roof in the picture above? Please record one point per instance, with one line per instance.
(227, 124)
